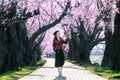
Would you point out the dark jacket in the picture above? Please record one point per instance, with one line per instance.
(58, 44)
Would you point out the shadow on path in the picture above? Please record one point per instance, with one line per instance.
(70, 67)
(60, 78)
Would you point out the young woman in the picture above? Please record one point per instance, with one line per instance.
(59, 53)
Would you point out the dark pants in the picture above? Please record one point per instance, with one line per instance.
(59, 58)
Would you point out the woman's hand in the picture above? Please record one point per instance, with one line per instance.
(65, 37)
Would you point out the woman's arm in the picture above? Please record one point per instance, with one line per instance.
(65, 39)
(54, 46)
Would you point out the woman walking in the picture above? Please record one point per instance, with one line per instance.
(59, 52)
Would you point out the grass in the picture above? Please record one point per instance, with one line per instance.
(101, 71)
(15, 75)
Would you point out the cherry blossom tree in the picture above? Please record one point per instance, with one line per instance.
(89, 29)
(27, 26)
(23, 47)
(115, 64)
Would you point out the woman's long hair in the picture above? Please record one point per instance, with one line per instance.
(55, 37)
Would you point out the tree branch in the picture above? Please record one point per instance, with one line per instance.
(36, 44)
(99, 40)
(99, 32)
(46, 27)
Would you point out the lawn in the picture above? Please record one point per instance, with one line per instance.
(101, 71)
(15, 75)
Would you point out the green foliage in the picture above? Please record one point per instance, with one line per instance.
(101, 71)
(15, 75)
(41, 62)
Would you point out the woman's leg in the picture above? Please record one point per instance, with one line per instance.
(60, 71)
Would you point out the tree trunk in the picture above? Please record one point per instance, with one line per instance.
(70, 53)
(84, 55)
(108, 50)
(116, 44)
(73, 46)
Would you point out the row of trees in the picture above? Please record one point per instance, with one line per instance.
(83, 41)
(17, 49)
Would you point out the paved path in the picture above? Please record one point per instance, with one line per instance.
(70, 72)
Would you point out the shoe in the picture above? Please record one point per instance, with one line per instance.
(62, 77)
